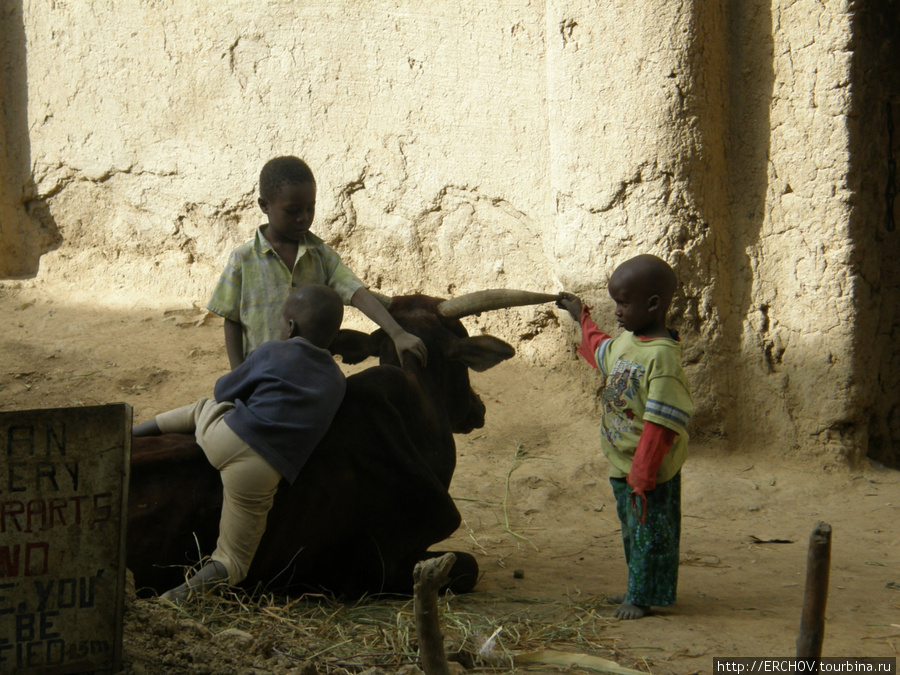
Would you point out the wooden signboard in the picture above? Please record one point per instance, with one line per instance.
(63, 500)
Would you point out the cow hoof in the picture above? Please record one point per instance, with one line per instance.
(463, 574)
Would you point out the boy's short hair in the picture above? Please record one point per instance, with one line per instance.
(283, 170)
(650, 275)
(317, 310)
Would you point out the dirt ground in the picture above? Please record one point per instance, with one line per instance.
(537, 507)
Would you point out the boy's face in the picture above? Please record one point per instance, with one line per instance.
(291, 211)
(635, 311)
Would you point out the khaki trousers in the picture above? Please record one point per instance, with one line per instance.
(249, 482)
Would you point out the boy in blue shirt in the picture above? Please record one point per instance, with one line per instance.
(284, 256)
(646, 405)
(266, 419)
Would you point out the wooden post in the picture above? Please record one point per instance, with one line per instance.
(428, 578)
(812, 621)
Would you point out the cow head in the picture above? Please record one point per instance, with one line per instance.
(451, 351)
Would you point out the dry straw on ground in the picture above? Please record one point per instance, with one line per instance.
(484, 632)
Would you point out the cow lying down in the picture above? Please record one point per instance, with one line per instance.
(374, 495)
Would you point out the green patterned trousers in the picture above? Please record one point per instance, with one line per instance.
(651, 548)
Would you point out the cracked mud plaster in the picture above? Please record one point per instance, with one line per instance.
(460, 147)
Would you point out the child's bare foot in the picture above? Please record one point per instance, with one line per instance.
(628, 611)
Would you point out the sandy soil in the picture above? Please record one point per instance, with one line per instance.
(537, 507)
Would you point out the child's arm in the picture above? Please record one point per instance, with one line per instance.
(234, 343)
(239, 383)
(404, 342)
(591, 335)
(654, 443)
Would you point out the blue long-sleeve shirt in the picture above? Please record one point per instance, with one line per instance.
(286, 394)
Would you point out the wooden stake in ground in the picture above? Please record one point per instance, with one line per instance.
(429, 576)
(812, 621)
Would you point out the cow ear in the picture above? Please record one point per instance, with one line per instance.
(480, 352)
(353, 346)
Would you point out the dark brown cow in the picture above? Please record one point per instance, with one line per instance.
(374, 495)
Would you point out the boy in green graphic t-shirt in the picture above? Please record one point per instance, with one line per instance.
(646, 405)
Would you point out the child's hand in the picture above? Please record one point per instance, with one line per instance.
(409, 344)
(571, 303)
(639, 505)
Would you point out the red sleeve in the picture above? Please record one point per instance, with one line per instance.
(653, 445)
(591, 337)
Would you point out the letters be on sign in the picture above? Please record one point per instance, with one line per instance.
(63, 495)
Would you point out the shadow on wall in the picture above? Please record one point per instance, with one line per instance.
(874, 127)
(751, 77)
(27, 228)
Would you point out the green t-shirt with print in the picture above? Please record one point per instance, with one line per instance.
(644, 381)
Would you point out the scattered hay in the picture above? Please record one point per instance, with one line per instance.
(691, 558)
(484, 632)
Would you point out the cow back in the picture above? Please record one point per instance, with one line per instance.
(370, 500)
(366, 506)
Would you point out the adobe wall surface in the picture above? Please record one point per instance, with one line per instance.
(458, 147)
(793, 315)
(813, 292)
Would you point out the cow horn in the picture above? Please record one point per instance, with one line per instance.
(484, 301)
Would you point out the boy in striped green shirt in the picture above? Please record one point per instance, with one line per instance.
(282, 257)
(646, 405)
